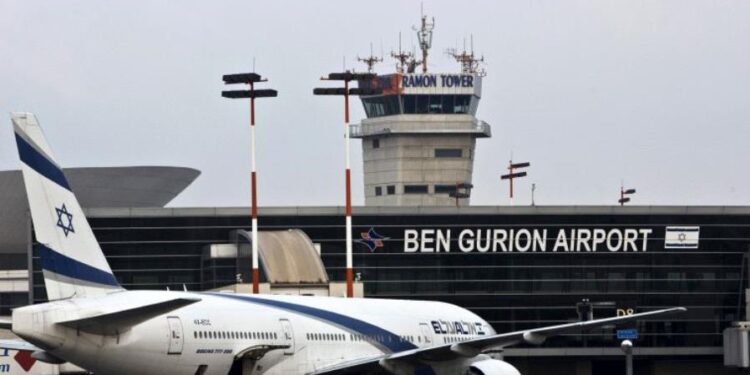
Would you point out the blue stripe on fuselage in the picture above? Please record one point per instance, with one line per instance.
(379, 336)
(38, 162)
(66, 266)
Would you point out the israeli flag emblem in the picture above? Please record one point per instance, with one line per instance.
(682, 237)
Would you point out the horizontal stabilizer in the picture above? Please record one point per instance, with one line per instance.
(6, 324)
(112, 323)
(17, 345)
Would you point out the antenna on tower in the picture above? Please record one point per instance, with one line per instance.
(470, 64)
(424, 35)
(403, 58)
(371, 60)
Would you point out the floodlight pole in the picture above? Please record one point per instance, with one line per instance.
(254, 196)
(349, 255)
(250, 79)
(624, 195)
(346, 91)
(513, 175)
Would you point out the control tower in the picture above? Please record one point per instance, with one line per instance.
(419, 136)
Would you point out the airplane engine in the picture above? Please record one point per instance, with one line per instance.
(492, 367)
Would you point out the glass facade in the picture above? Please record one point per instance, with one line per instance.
(387, 105)
(516, 270)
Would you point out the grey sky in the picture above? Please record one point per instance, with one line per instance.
(591, 92)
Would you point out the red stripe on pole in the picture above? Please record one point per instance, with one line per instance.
(348, 192)
(349, 282)
(254, 195)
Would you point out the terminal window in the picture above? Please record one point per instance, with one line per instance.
(448, 153)
(391, 189)
(415, 189)
(375, 143)
(378, 190)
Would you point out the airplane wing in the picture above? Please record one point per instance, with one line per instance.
(475, 346)
(18, 345)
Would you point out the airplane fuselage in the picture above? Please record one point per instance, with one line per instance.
(270, 334)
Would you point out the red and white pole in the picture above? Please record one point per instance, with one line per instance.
(254, 199)
(349, 261)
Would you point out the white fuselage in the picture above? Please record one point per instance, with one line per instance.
(288, 334)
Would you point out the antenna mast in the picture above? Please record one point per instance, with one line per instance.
(371, 60)
(402, 58)
(469, 62)
(424, 35)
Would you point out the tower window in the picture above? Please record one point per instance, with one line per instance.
(376, 143)
(445, 189)
(415, 189)
(378, 191)
(448, 152)
(391, 189)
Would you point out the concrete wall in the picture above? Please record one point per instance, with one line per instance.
(405, 155)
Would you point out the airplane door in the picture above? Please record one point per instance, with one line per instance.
(287, 335)
(426, 333)
(175, 335)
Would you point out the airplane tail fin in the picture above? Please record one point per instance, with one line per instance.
(71, 259)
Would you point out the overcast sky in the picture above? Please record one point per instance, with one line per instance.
(590, 92)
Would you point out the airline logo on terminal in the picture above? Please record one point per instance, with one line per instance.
(372, 239)
(527, 240)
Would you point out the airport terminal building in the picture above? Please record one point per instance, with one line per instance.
(517, 267)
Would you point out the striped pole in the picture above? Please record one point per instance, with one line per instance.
(349, 262)
(254, 208)
(250, 79)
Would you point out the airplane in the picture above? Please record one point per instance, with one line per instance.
(93, 322)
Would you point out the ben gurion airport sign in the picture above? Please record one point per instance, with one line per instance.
(563, 240)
